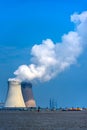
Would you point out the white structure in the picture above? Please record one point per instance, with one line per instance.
(14, 95)
(28, 94)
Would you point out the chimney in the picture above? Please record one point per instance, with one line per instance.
(14, 95)
(28, 94)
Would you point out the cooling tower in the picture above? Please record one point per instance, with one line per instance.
(28, 94)
(14, 95)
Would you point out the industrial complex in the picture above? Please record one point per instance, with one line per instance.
(19, 94)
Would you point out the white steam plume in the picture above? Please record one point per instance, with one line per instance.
(49, 59)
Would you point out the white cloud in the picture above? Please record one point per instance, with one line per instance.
(49, 59)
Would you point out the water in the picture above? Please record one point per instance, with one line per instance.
(43, 120)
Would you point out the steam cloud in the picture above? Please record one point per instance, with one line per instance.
(49, 59)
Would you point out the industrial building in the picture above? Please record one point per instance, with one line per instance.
(28, 94)
(19, 94)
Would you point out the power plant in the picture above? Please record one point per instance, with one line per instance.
(19, 94)
(28, 94)
(14, 95)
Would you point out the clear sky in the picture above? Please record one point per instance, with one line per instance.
(24, 23)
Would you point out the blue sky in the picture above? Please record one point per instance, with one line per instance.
(25, 23)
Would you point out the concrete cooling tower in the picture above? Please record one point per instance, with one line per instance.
(14, 95)
(28, 94)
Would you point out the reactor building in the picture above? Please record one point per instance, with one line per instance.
(19, 94)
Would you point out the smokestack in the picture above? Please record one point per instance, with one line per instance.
(28, 94)
(14, 95)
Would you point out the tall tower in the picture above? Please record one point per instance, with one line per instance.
(28, 94)
(14, 95)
